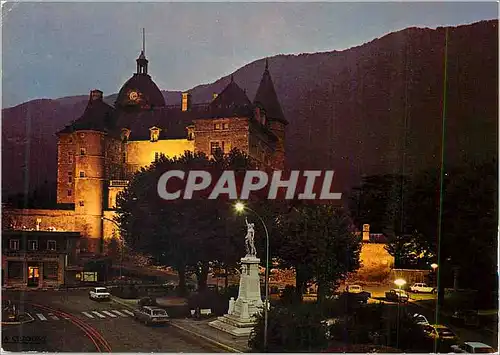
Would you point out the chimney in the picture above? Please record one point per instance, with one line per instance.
(214, 96)
(186, 101)
(95, 95)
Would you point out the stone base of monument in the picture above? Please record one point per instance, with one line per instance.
(240, 318)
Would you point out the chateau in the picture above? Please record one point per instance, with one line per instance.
(99, 152)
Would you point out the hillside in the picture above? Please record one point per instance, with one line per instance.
(358, 111)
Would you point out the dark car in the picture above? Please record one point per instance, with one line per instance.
(147, 301)
(397, 296)
(151, 315)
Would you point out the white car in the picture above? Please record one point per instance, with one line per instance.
(472, 347)
(420, 319)
(420, 287)
(353, 289)
(99, 293)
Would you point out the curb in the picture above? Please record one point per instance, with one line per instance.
(215, 342)
(18, 323)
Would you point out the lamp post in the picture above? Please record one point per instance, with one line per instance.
(399, 283)
(122, 246)
(240, 207)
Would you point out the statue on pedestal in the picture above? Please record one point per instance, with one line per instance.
(249, 239)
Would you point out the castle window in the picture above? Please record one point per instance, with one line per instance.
(70, 193)
(154, 134)
(83, 151)
(32, 244)
(70, 157)
(81, 203)
(82, 174)
(216, 145)
(225, 126)
(70, 177)
(51, 245)
(14, 244)
(217, 127)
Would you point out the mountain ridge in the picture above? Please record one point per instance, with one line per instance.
(333, 100)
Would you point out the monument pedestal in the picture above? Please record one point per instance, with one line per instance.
(240, 319)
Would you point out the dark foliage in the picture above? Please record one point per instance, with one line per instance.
(294, 329)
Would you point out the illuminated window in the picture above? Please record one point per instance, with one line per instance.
(155, 134)
(217, 126)
(83, 151)
(70, 177)
(82, 174)
(70, 193)
(214, 146)
(14, 244)
(32, 244)
(51, 245)
(225, 126)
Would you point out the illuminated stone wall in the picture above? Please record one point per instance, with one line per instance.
(66, 149)
(376, 263)
(142, 153)
(62, 220)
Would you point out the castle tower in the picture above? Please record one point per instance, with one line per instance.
(272, 115)
(88, 144)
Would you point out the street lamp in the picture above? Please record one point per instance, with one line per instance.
(399, 283)
(240, 207)
(123, 243)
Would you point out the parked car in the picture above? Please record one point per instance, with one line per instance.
(468, 318)
(441, 332)
(99, 293)
(397, 295)
(420, 319)
(421, 287)
(353, 289)
(472, 347)
(151, 315)
(147, 301)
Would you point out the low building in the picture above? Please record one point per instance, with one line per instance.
(37, 259)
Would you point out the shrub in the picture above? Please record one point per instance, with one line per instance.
(290, 329)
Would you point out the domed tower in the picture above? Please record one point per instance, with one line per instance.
(140, 92)
(272, 114)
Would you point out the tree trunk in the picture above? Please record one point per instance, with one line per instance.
(182, 279)
(299, 283)
(202, 275)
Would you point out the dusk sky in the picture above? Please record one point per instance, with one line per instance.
(52, 50)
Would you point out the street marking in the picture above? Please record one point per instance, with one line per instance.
(127, 311)
(98, 314)
(88, 315)
(53, 316)
(41, 316)
(109, 314)
(119, 313)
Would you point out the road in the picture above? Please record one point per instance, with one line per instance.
(82, 319)
(465, 334)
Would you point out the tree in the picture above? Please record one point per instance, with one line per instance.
(290, 329)
(185, 234)
(317, 240)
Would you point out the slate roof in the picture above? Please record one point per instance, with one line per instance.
(266, 98)
(171, 120)
(144, 84)
(98, 116)
(231, 102)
